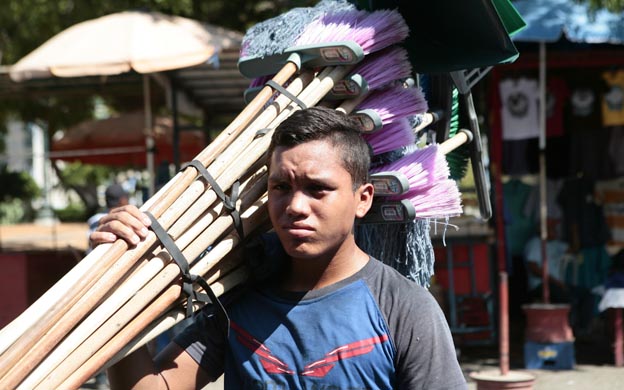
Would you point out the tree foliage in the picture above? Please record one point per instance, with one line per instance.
(611, 5)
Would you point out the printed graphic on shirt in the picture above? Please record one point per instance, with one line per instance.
(338, 339)
(319, 368)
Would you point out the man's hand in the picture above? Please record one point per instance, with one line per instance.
(126, 222)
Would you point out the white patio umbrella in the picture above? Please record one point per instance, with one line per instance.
(146, 42)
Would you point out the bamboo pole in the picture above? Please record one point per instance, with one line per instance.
(33, 314)
(177, 314)
(57, 317)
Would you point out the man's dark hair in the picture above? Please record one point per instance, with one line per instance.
(320, 123)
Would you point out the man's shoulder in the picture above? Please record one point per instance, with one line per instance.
(95, 218)
(388, 284)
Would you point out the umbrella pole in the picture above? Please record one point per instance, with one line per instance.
(149, 135)
(542, 171)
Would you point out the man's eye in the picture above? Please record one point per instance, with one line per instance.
(280, 187)
(317, 188)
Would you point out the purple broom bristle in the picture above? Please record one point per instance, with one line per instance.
(391, 137)
(389, 28)
(331, 27)
(431, 191)
(395, 102)
(385, 66)
(260, 81)
(373, 31)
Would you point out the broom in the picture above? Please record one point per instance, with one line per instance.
(379, 79)
(91, 344)
(49, 308)
(157, 288)
(376, 110)
(410, 250)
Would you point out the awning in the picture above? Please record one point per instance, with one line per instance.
(550, 20)
(120, 141)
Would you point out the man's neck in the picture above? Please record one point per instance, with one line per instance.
(313, 274)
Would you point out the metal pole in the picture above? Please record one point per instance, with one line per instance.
(149, 135)
(542, 175)
(504, 323)
(176, 125)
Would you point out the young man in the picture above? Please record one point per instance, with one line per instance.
(332, 317)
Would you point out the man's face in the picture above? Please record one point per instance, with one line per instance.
(312, 204)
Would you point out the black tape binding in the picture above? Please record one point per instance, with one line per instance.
(188, 279)
(229, 202)
(285, 92)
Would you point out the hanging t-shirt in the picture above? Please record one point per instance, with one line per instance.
(616, 145)
(613, 99)
(519, 108)
(582, 211)
(519, 226)
(583, 123)
(583, 109)
(557, 93)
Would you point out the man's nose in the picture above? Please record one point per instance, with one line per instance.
(298, 203)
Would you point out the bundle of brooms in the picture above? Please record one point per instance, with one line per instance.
(118, 297)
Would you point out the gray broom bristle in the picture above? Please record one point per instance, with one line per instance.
(277, 34)
(410, 250)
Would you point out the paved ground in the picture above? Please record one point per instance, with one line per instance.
(584, 376)
(594, 369)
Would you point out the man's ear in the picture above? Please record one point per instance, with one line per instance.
(365, 199)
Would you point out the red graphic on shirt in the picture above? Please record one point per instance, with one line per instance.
(318, 368)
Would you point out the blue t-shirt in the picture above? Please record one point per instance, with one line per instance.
(373, 330)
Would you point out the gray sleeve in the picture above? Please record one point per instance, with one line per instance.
(205, 342)
(426, 356)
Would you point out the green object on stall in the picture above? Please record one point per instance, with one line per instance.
(509, 15)
(451, 35)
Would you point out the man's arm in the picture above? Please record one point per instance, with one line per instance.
(173, 368)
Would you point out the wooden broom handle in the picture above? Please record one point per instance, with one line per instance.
(134, 328)
(463, 136)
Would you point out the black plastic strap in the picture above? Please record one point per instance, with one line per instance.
(188, 279)
(229, 202)
(285, 92)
